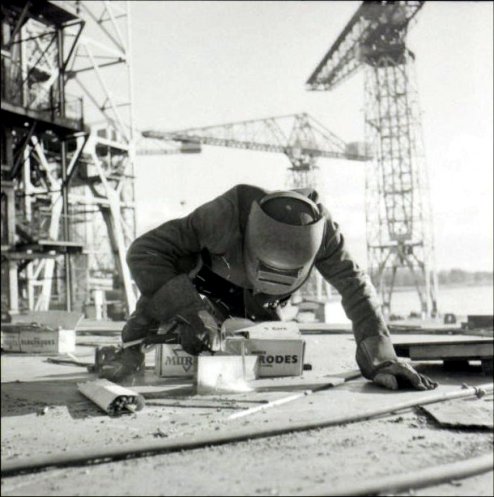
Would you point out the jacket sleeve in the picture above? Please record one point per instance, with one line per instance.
(359, 299)
(160, 259)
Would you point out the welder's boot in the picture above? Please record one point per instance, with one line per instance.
(119, 364)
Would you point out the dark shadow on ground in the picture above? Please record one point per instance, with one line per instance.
(30, 397)
(470, 374)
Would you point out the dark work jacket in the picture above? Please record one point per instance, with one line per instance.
(169, 255)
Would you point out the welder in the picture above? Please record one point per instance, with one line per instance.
(244, 254)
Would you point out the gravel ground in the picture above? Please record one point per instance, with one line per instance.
(43, 413)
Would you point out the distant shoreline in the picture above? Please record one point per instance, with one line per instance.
(447, 285)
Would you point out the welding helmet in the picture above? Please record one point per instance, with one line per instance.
(283, 235)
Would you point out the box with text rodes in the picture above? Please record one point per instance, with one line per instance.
(278, 345)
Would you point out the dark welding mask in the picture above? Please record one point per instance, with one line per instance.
(283, 235)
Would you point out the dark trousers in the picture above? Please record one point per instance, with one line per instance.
(223, 300)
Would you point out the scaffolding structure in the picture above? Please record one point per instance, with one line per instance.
(67, 153)
(300, 137)
(398, 211)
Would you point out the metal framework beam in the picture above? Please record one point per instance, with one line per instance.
(372, 25)
(297, 135)
(53, 157)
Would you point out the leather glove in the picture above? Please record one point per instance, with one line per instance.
(399, 374)
(199, 332)
(378, 362)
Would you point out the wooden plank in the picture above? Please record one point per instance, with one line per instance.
(445, 351)
(480, 321)
(449, 341)
(466, 348)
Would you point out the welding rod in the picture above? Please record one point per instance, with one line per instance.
(284, 400)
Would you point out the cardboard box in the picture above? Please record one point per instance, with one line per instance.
(36, 340)
(277, 356)
(279, 346)
(41, 332)
(172, 360)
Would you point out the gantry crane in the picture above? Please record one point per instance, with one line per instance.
(398, 213)
(300, 137)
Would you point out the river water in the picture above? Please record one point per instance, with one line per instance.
(458, 300)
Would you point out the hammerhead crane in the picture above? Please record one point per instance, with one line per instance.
(300, 137)
(398, 213)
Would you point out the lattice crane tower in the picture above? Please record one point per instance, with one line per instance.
(298, 136)
(398, 212)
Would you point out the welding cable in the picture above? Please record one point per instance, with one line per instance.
(420, 478)
(243, 433)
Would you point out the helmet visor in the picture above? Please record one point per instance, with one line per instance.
(279, 256)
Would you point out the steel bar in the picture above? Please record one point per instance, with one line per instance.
(103, 29)
(65, 187)
(81, 24)
(421, 478)
(18, 24)
(74, 362)
(243, 433)
(290, 398)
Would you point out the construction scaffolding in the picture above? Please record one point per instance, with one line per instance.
(67, 154)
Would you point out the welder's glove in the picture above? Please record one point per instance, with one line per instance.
(378, 362)
(198, 332)
(400, 374)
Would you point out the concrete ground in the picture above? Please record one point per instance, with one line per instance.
(42, 412)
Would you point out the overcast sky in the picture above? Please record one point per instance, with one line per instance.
(201, 63)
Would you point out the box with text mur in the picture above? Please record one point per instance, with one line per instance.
(172, 360)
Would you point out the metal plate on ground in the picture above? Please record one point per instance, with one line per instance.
(469, 413)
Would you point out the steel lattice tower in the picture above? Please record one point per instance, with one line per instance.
(67, 161)
(398, 213)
